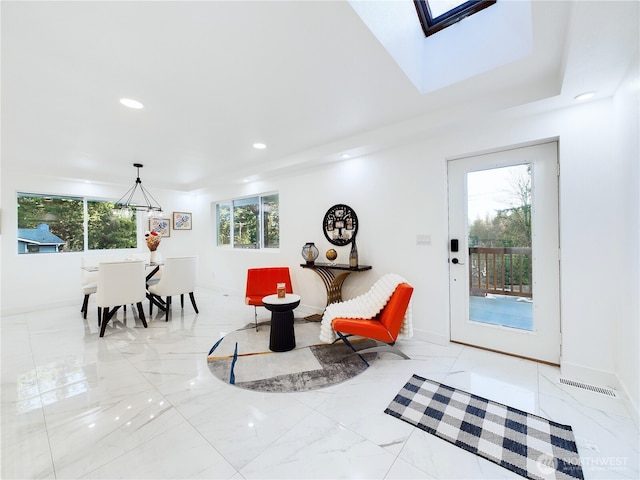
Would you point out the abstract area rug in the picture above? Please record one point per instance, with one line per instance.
(526, 444)
(243, 358)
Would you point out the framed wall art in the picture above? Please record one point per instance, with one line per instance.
(160, 225)
(340, 225)
(181, 221)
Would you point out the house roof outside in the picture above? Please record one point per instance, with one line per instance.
(39, 236)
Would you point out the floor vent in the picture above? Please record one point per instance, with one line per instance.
(585, 386)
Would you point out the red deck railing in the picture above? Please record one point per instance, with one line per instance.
(503, 271)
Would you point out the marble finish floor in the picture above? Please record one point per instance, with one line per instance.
(142, 403)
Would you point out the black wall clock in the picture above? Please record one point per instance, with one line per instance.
(340, 225)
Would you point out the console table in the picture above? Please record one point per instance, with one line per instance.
(332, 281)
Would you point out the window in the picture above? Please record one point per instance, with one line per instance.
(48, 223)
(270, 221)
(223, 214)
(252, 222)
(435, 15)
(106, 230)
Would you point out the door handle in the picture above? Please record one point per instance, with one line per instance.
(455, 261)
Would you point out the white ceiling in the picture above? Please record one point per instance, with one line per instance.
(308, 78)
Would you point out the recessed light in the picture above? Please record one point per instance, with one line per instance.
(344, 156)
(128, 102)
(584, 96)
(259, 146)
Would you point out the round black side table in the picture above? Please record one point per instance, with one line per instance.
(282, 337)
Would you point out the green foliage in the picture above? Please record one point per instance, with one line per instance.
(224, 224)
(64, 215)
(106, 231)
(509, 227)
(245, 226)
(271, 221)
(254, 221)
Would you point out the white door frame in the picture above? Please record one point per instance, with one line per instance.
(544, 342)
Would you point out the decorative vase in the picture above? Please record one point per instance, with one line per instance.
(153, 257)
(353, 254)
(310, 253)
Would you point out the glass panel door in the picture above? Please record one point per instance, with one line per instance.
(499, 239)
(504, 252)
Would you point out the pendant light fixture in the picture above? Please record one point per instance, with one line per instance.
(125, 206)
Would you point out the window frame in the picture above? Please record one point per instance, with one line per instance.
(84, 223)
(227, 208)
(431, 25)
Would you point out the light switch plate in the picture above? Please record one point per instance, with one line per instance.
(423, 239)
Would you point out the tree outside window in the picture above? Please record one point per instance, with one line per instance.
(223, 213)
(106, 230)
(48, 223)
(271, 221)
(250, 223)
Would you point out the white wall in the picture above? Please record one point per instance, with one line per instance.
(401, 192)
(627, 322)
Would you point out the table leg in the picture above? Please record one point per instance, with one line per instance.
(153, 299)
(332, 285)
(282, 337)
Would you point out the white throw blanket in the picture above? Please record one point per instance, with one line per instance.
(367, 305)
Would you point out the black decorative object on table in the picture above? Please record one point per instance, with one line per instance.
(310, 253)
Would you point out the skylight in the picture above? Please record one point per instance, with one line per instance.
(435, 15)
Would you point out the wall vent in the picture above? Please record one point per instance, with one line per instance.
(592, 388)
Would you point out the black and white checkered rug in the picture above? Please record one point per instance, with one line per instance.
(526, 444)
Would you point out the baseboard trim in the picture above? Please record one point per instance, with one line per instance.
(592, 376)
(430, 337)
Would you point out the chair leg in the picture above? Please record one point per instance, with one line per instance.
(255, 313)
(107, 313)
(386, 348)
(193, 302)
(182, 301)
(105, 319)
(85, 305)
(348, 343)
(380, 347)
(141, 314)
(167, 308)
(99, 316)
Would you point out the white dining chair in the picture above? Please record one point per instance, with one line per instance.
(178, 277)
(120, 283)
(89, 276)
(89, 284)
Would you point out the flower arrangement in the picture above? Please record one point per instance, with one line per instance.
(153, 240)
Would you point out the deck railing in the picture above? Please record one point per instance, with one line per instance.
(503, 271)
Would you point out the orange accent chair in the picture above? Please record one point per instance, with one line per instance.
(384, 328)
(262, 282)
